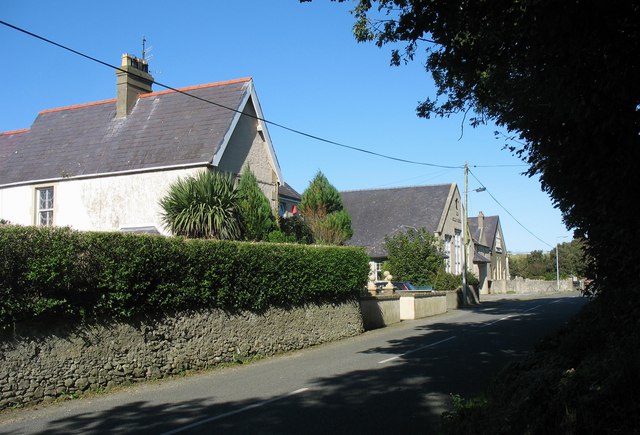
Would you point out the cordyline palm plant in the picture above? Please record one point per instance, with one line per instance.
(203, 206)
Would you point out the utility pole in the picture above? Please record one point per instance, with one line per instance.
(464, 236)
(557, 269)
(557, 263)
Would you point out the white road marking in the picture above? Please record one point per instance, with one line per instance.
(452, 337)
(416, 350)
(509, 316)
(237, 411)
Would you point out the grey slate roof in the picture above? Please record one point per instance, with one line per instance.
(163, 129)
(479, 258)
(489, 233)
(10, 142)
(381, 212)
(287, 191)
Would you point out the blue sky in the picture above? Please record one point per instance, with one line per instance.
(310, 75)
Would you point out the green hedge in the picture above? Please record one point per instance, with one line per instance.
(59, 272)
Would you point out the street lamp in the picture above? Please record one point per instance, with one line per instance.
(557, 268)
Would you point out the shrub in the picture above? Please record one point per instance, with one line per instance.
(203, 206)
(413, 255)
(321, 206)
(448, 281)
(255, 210)
(297, 229)
(54, 272)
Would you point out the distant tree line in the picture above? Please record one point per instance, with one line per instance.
(541, 265)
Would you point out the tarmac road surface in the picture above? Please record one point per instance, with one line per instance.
(391, 380)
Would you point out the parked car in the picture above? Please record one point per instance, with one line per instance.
(398, 285)
(403, 285)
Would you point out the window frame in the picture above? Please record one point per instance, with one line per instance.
(39, 210)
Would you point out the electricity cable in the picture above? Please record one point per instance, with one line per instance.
(507, 211)
(284, 127)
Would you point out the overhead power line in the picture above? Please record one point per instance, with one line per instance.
(284, 127)
(507, 211)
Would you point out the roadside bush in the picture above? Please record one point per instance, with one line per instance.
(448, 281)
(580, 380)
(296, 229)
(414, 255)
(54, 272)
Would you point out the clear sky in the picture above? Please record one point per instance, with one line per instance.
(310, 75)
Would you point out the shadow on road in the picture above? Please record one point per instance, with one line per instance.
(404, 395)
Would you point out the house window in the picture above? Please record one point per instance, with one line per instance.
(447, 254)
(458, 254)
(376, 267)
(44, 205)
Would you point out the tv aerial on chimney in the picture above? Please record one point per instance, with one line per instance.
(145, 50)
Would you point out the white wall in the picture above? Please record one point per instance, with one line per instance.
(17, 205)
(112, 202)
(100, 204)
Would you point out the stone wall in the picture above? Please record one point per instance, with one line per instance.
(524, 286)
(417, 306)
(380, 311)
(388, 309)
(39, 364)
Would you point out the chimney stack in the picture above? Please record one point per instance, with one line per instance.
(481, 226)
(132, 79)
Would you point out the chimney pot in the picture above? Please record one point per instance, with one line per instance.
(132, 79)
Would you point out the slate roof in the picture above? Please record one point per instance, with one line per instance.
(164, 129)
(479, 258)
(490, 229)
(287, 191)
(381, 212)
(10, 142)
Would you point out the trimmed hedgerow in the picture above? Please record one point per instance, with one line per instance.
(58, 272)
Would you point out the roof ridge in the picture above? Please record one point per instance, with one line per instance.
(22, 130)
(485, 216)
(77, 106)
(397, 187)
(191, 88)
(150, 94)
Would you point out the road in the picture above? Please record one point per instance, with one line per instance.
(392, 380)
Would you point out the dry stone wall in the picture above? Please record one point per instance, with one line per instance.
(37, 365)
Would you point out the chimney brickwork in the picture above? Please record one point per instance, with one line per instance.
(132, 79)
(481, 227)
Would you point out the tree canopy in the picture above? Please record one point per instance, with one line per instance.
(540, 265)
(321, 206)
(561, 78)
(413, 255)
